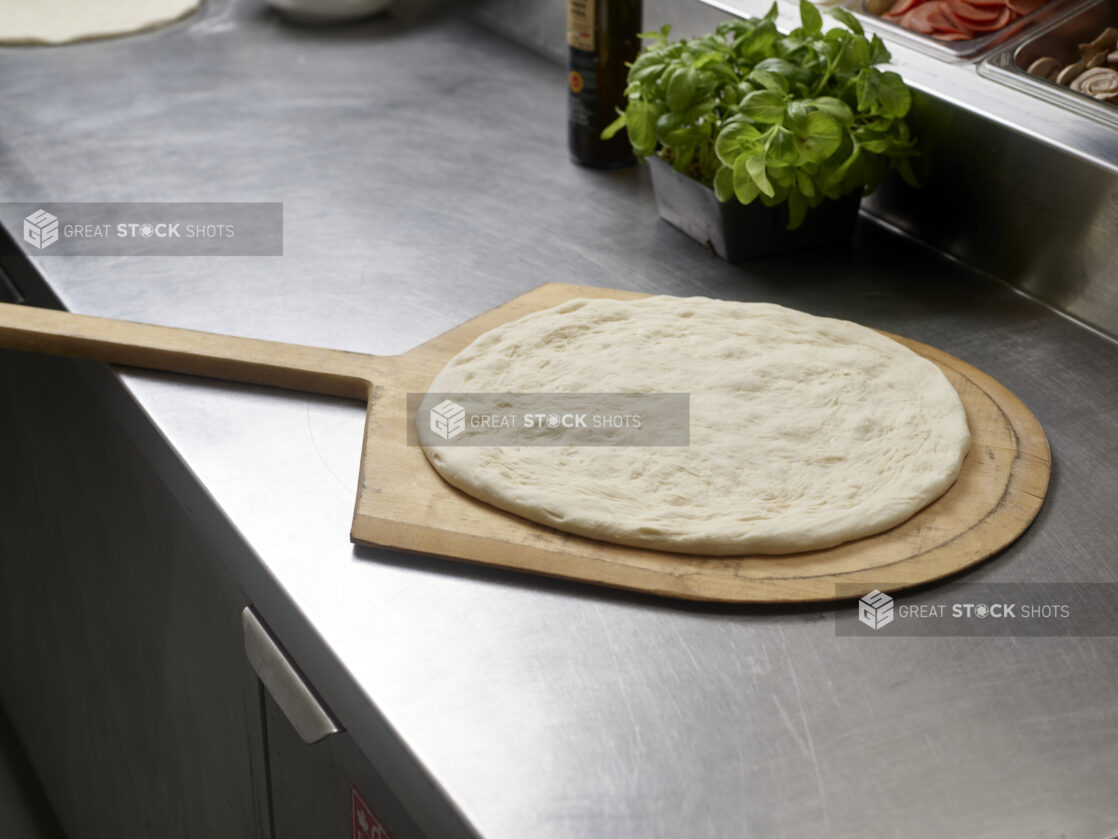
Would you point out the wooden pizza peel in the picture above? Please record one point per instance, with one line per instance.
(403, 503)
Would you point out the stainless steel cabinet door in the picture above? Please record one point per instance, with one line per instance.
(121, 656)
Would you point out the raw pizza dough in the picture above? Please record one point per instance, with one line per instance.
(805, 431)
(64, 21)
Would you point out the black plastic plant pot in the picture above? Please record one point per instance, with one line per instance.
(736, 231)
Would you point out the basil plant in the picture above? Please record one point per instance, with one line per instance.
(760, 115)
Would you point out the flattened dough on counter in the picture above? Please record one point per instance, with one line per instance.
(806, 432)
(66, 21)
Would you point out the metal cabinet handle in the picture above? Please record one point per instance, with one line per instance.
(292, 694)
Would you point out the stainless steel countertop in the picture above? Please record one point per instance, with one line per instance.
(424, 175)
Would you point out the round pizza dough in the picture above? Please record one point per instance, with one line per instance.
(64, 21)
(805, 432)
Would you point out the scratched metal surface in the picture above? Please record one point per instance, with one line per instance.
(422, 167)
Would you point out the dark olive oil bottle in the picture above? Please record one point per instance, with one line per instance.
(603, 39)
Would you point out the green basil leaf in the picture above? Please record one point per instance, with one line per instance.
(770, 81)
(867, 85)
(779, 196)
(757, 45)
(640, 120)
(879, 54)
(646, 66)
(893, 95)
(782, 148)
(741, 38)
(827, 50)
(883, 93)
(723, 73)
(729, 28)
(781, 175)
(848, 20)
(782, 67)
(876, 146)
(795, 116)
(724, 184)
(660, 37)
(734, 121)
(704, 107)
(820, 138)
(755, 166)
(764, 106)
(681, 89)
(855, 56)
(834, 108)
(678, 138)
(610, 130)
(793, 45)
(804, 183)
(745, 188)
(736, 139)
(668, 122)
(835, 179)
(810, 17)
(705, 59)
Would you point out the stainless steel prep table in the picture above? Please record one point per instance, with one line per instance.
(424, 176)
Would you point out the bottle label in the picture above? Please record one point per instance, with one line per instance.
(580, 24)
(583, 82)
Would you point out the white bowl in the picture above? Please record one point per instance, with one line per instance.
(329, 11)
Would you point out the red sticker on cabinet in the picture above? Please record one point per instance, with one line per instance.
(365, 823)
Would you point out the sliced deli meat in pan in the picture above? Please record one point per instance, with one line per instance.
(974, 14)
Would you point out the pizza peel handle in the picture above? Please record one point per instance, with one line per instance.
(292, 366)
